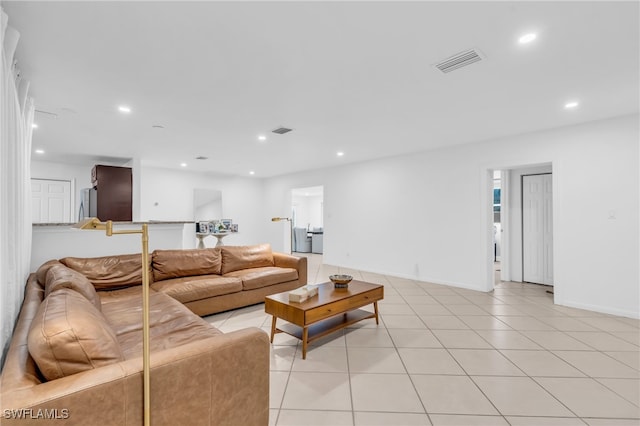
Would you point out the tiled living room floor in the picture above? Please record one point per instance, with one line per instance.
(449, 356)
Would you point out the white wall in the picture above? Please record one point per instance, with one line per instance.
(56, 242)
(167, 195)
(308, 211)
(433, 221)
(173, 191)
(209, 211)
(208, 204)
(80, 177)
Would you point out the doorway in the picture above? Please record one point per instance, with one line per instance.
(509, 257)
(497, 225)
(307, 215)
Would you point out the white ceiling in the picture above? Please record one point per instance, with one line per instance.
(355, 77)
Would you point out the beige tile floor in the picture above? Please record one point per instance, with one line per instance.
(450, 356)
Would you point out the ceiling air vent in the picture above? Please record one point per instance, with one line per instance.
(459, 60)
(281, 130)
(201, 157)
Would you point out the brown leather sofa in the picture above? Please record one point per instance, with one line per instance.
(215, 280)
(75, 356)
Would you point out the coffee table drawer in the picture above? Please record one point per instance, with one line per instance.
(365, 298)
(326, 311)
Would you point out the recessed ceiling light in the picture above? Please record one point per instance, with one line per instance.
(262, 138)
(571, 105)
(527, 38)
(34, 126)
(183, 164)
(340, 153)
(124, 108)
(39, 151)
(252, 172)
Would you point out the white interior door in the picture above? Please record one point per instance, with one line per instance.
(51, 201)
(537, 229)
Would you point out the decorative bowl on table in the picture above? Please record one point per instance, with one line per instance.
(340, 280)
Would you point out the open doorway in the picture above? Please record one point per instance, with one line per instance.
(307, 207)
(507, 225)
(497, 225)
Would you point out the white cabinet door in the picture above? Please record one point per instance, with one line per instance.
(51, 201)
(537, 229)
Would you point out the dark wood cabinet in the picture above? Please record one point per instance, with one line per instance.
(114, 190)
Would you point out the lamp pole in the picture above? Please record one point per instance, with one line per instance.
(94, 223)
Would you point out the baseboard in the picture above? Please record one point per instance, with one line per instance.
(453, 284)
(595, 308)
(601, 309)
(423, 279)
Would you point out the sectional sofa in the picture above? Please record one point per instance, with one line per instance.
(75, 356)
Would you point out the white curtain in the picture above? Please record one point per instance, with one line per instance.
(15, 184)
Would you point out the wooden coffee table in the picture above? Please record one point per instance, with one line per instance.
(330, 310)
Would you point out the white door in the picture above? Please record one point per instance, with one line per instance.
(51, 201)
(537, 229)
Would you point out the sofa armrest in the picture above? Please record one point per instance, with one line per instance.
(289, 261)
(222, 380)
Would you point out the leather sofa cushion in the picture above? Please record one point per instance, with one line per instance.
(117, 296)
(171, 324)
(167, 264)
(69, 335)
(263, 277)
(188, 289)
(109, 272)
(235, 258)
(41, 273)
(59, 276)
